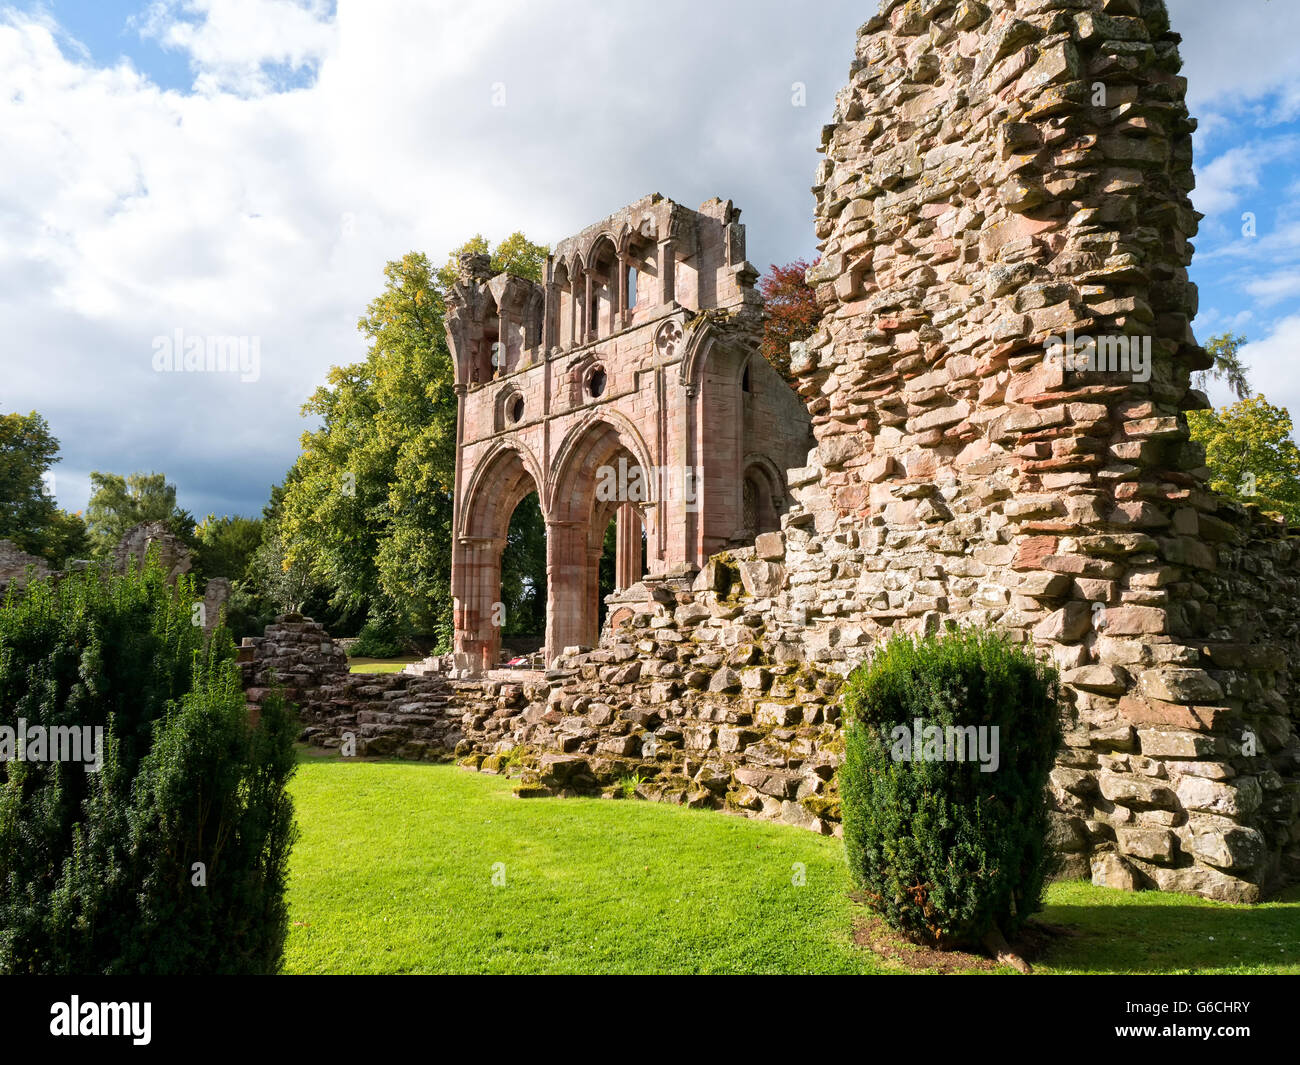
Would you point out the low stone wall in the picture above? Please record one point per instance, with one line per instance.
(689, 701)
(368, 714)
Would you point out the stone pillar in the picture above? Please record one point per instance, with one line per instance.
(566, 586)
(627, 564)
(667, 272)
(550, 317)
(574, 339)
(591, 605)
(620, 312)
(476, 580)
(588, 310)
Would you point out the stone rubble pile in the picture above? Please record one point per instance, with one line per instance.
(386, 714)
(688, 701)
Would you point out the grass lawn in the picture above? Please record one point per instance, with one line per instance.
(381, 665)
(394, 874)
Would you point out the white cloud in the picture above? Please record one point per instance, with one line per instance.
(231, 43)
(259, 206)
(1222, 182)
(1270, 364)
(1238, 52)
(1271, 289)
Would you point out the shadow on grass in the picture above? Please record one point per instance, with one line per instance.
(1151, 933)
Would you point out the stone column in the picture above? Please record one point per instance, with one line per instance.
(627, 564)
(549, 317)
(667, 272)
(619, 313)
(476, 575)
(588, 311)
(591, 611)
(573, 309)
(566, 586)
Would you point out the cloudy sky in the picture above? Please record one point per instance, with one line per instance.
(244, 168)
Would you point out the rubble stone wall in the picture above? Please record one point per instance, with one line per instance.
(370, 714)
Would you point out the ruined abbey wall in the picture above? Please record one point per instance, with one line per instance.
(1000, 180)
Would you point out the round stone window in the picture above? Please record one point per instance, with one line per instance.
(515, 408)
(596, 382)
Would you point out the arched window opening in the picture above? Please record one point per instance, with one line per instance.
(750, 507)
(521, 606)
(759, 503)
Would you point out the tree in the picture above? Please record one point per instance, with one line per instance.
(226, 546)
(171, 856)
(29, 515)
(948, 744)
(523, 571)
(368, 504)
(1227, 367)
(285, 584)
(515, 255)
(1251, 454)
(117, 503)
(792, 312)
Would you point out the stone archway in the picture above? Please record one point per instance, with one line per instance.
(498, 485)
(601, 475)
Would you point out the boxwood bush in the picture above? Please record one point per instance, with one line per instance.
(944, 850)
(173, 856)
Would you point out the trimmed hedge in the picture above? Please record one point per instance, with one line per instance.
(98, 869)
(942, 849)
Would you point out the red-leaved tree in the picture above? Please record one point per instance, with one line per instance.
(792, 312)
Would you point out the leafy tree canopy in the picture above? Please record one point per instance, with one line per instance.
(367, 507)
(1251, 454)
(29, 515)
(1228, 366)
(792, 312)
(117, 503)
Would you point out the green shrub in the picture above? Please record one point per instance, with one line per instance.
(944, 850)
(98, 869)
(382, 637)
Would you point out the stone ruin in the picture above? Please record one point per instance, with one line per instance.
(170, 550)
(175, 559)
(997, 392)
(18, 567)
(626, 386)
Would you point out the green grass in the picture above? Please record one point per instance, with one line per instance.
(381, 665)
(394, 874)
(1160, 932)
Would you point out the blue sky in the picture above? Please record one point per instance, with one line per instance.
(245, 168)
(109, 31)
